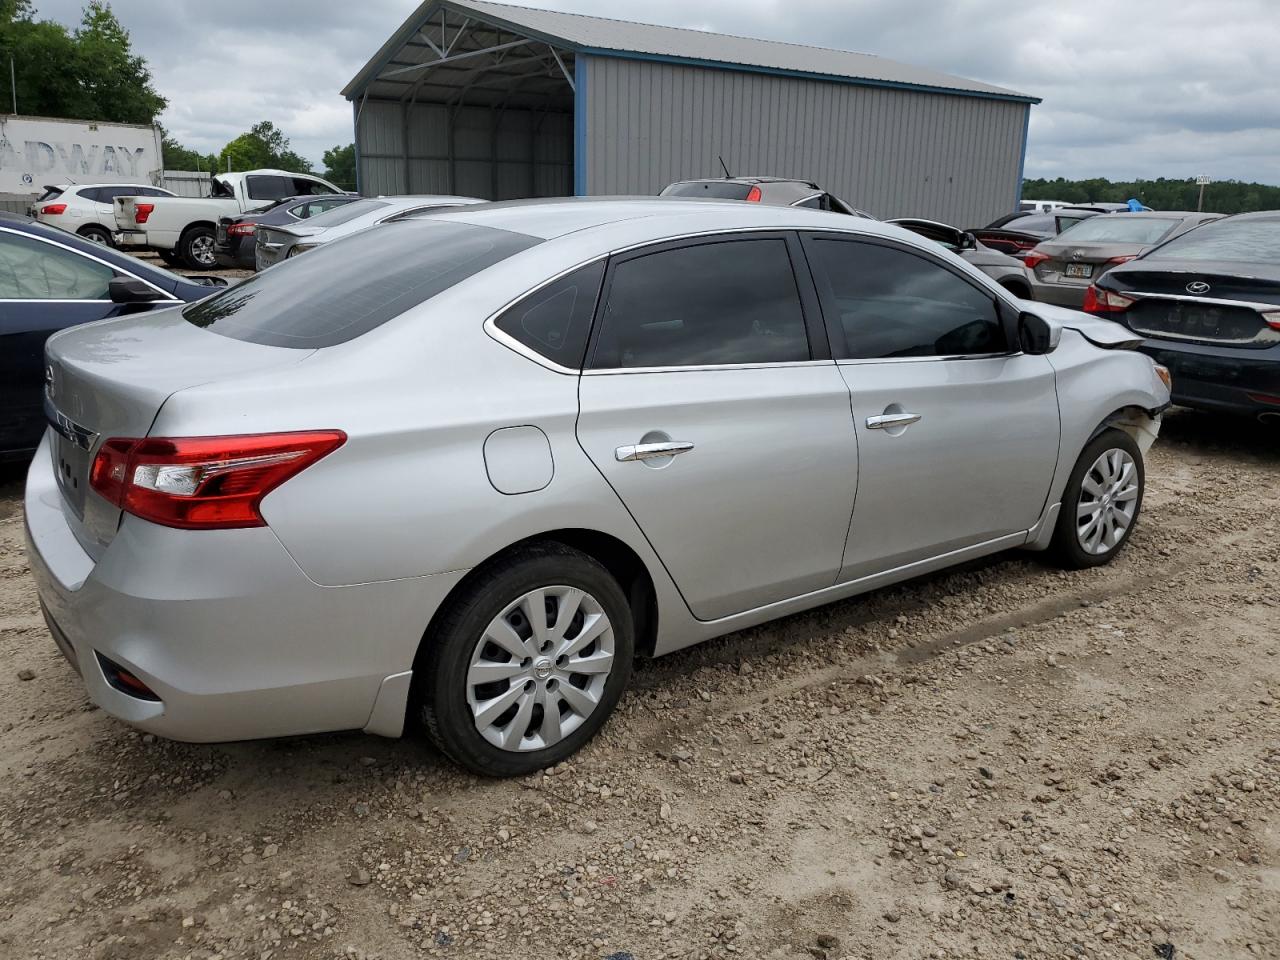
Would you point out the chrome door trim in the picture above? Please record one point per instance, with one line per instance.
(651, 451)
(704, 368)
(89, 256)
(886, 421)
(857, 361)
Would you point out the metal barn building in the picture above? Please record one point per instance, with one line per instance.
(496, 101)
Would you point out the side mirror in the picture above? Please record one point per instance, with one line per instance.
(1036, 335)
(970, 242)
(131, 290)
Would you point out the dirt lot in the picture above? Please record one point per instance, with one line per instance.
(1002, 762)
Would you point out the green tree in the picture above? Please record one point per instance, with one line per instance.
(91, 74)
(115, 84)
(1226, 196)
(178, 157)
(264, 145)
(340, 166)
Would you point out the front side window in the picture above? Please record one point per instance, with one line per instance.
(885, 302)
(343, 290)
(305, 187)
(556, 320)
(33, 270)
(727, 302)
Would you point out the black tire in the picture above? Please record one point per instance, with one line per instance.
(195, 248)
(170, 257)
(1066, 547)
(97, 234)
(439, 696)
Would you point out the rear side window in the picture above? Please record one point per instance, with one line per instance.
(885, 302)
(270, 188)
(343, 290)
(728, 302)
(556, 320)
(718, 189)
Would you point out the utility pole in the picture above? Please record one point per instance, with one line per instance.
(13, 85)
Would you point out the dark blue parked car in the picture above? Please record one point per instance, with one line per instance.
(49, 280)
(236, 239)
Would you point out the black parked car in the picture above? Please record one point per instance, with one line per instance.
(236, 237)
(1208, 303)
(51, 279)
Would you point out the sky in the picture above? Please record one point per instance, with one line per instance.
(1131, 88)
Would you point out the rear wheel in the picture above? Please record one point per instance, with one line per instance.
(170, 257)
(525, 665)
(96, 234)
(1101, 503)
(195, 247)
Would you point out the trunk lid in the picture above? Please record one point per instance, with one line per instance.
(1081, 264)
(110, 379)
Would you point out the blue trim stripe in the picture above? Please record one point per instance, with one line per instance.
(580, 126)
(1022, 160)
(805, 75)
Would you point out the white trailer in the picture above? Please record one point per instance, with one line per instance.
(35, 151)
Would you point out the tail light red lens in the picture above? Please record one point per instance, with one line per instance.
(242, 229)
(753, 195)
(1126, 259)
(142, 212)
(53, 209)
(204, 483)
(1033, 258)
(1097, 300)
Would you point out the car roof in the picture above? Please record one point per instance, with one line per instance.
(801, 180)
(664, 216)
(83, 186)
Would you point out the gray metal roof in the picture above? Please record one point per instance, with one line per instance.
(603, 36)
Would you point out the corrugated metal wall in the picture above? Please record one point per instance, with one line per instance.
(494, 154)
(894, 153)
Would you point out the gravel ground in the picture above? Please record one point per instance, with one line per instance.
(1005, 761)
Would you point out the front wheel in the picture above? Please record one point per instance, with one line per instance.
(525, 666)
(1101, 503)
(195, 247)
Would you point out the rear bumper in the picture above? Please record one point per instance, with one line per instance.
(129, 238)
(1062, 294)
(1220, 378)
(235, 640)
(238, 257)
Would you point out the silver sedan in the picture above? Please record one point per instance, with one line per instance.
(278, 243)
(455, 473)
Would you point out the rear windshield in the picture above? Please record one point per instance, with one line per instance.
(719, 189)
(1249, 241)
(346, 213)
(343, 290)
(50, 193)
(1118, 228)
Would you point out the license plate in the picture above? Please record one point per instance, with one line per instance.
(1081, 270)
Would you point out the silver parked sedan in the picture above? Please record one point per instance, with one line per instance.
(282, 242)
(455, 473)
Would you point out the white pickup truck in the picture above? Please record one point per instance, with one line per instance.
(181, 229)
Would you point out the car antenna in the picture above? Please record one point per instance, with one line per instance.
(727, 174)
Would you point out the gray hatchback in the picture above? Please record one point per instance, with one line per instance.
(1062, 267)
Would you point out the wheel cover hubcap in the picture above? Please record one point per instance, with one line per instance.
(202, 249)
(1108, 502)
(540, 668)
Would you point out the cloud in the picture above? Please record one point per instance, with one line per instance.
(1142, 88)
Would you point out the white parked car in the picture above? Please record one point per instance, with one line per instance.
(87, 208)
(183, 229)
(1040, 206)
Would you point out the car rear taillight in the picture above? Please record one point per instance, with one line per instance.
(1125, 259)
(53, 209)
(1271, 318)
(142, 211)
(241, 229)
(1097, 300)
(204, 483)
(1033, 258)
(753, 195)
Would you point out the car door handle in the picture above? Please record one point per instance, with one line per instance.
(651, 451)
(887, 420)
